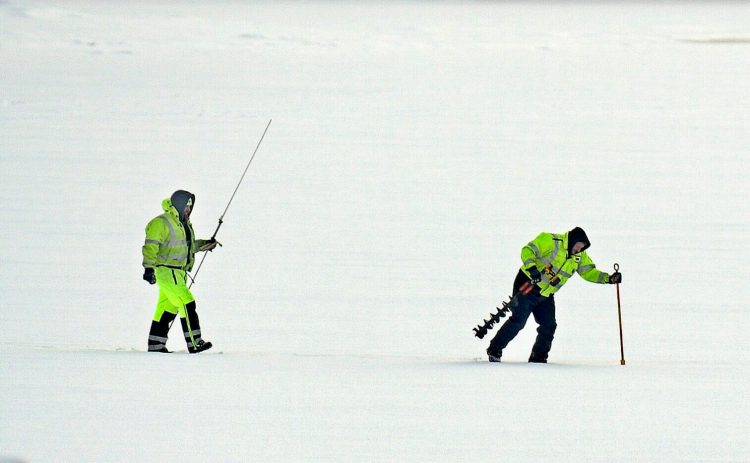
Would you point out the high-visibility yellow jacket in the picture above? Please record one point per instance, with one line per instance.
(169, 242)
(550, 254)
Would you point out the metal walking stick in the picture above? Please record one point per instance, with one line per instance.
(619, 319)
(221, 219)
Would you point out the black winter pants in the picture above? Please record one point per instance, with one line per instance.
(543, 309)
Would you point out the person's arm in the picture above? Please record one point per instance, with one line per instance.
(588, 271)
(156, 234)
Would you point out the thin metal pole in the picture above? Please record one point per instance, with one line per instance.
(619, 319)
(243, 175)
(221, 219)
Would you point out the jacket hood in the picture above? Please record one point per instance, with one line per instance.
(180, 199)
(168, 208)
(575, 235)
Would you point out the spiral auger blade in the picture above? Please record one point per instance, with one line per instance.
(481, 330)
(506, 306)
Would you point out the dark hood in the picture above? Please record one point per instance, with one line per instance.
(180, 199)
(575, 235)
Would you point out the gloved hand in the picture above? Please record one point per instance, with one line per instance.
(615, 278)
(534, 275)
(209, 245)
(149, 276)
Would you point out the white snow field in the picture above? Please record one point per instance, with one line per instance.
(415, 148)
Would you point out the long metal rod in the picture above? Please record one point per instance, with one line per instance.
(619, 319)
(221, 219)
(245, 172)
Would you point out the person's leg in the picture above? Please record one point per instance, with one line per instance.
(164, 315)
(159, 332)
(183, 298)
(178, 299)
(191, 327)
(544, 314)
(511, 327)
(519, 315)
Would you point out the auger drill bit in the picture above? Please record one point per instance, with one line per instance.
(481, 330)
(507, 306)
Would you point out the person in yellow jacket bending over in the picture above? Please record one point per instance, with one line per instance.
(548, 263)
(168, 256)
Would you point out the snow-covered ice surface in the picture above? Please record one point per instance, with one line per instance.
(415, 147)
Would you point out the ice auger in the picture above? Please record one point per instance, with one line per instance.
(507, 306)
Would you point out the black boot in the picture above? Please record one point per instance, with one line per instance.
(494, 356)
(157, 336)
(538, 358)
(199, 347)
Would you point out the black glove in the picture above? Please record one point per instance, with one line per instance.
(149, 276)
(615, 278)
(534, 275)
(209, 245)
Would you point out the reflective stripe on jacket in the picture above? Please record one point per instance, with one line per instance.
(167, 242)
(549, 254)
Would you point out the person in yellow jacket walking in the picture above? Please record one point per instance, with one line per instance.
(548, 263)
(168, 256)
